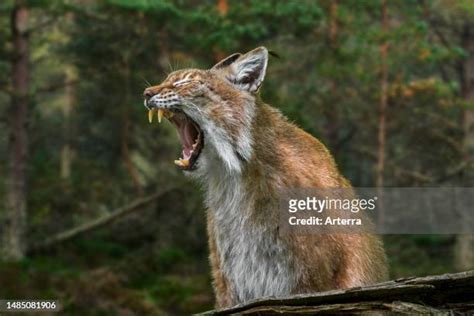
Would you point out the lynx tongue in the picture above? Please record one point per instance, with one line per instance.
(189, 136)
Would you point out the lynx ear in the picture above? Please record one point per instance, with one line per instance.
(246, 72)
(227, 61)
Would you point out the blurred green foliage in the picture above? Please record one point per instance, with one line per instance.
(98, 56)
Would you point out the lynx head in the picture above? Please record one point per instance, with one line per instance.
(212, 110)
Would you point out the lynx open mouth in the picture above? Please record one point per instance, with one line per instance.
(190, 135)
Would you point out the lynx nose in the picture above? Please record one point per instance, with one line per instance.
(148, 93)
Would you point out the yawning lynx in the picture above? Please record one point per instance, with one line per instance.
(244, 151)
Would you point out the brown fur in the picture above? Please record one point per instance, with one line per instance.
(283, 156)
(333, 261)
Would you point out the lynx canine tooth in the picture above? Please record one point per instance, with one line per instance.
(150, 116)
(160, 115)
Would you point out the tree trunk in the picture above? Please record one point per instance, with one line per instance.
(380, 168)
(333, 14)
(222, 7)
(125, 133)
(464, 248)
(67, 150)
(14, 244)
(331, 112)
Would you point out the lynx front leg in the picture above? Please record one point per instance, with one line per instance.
(224, 297)
(222, 289)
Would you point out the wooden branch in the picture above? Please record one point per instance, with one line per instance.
(465, 164)
(443, 120)
(447, 293)
(5, 89)
(98, 222)
(439, 34)
(359, 308)
(450, 141)
(413, 174)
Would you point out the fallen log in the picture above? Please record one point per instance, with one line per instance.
(447, 294)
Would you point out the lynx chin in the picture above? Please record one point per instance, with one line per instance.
(243, 152)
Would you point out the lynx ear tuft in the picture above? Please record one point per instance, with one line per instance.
(227, 61)
(246, 72)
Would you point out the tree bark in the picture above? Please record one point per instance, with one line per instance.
(222, 7)
(331, 112)
(381, 136)
(464, 248)
(14, 221)
(333, 14)
(67, 152)
(447, 294)
(125, 133)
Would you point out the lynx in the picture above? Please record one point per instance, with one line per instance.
(243, 152)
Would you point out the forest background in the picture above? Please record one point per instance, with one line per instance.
(93, 212)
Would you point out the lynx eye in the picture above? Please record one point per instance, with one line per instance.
(182, 82)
